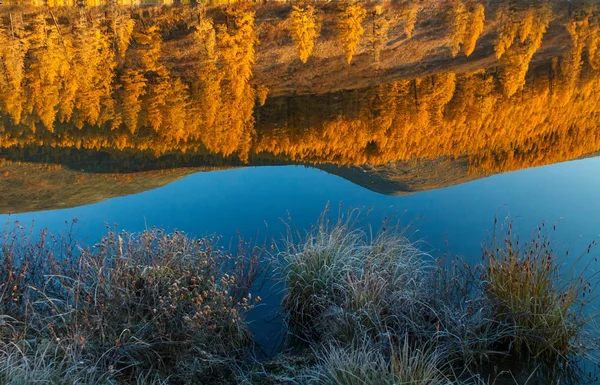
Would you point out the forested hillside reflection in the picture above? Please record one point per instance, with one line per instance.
(506, 85)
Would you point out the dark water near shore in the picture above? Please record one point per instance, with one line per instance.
(234, 120)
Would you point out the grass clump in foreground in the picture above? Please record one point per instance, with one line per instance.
(359, 365)
(361, 308)
(355, 297)
(144, 308)
(544, 304)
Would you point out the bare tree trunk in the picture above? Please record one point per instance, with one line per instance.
(12, 29)
(60, 36)
(415, 93)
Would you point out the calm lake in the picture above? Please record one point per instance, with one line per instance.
(444, 116)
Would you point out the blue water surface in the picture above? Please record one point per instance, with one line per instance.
(255, 201)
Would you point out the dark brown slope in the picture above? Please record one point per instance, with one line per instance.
(26, 187)
(401, 178)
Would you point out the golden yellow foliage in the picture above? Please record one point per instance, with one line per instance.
(151, 45)
(467, 23)
(381, 27)
(579, 30)
(12, 56)
(529, 25)
(234, 127)
(594, 48)
(43, 78)
(92, 66)
(123, 27)
(495, 133)
(262, 92)
(409, 16)
(458, 26)
(207, 85)
(237, 46)
(133, 89)
(350, 28)
(305, 29)
(474, 29)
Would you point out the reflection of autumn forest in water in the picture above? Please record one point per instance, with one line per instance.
(508, 86)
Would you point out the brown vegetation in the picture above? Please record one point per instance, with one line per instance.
(369, 304)
(139, 308)
(27, 187)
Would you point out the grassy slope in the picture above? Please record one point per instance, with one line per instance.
(426, 52)
(401, 178)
